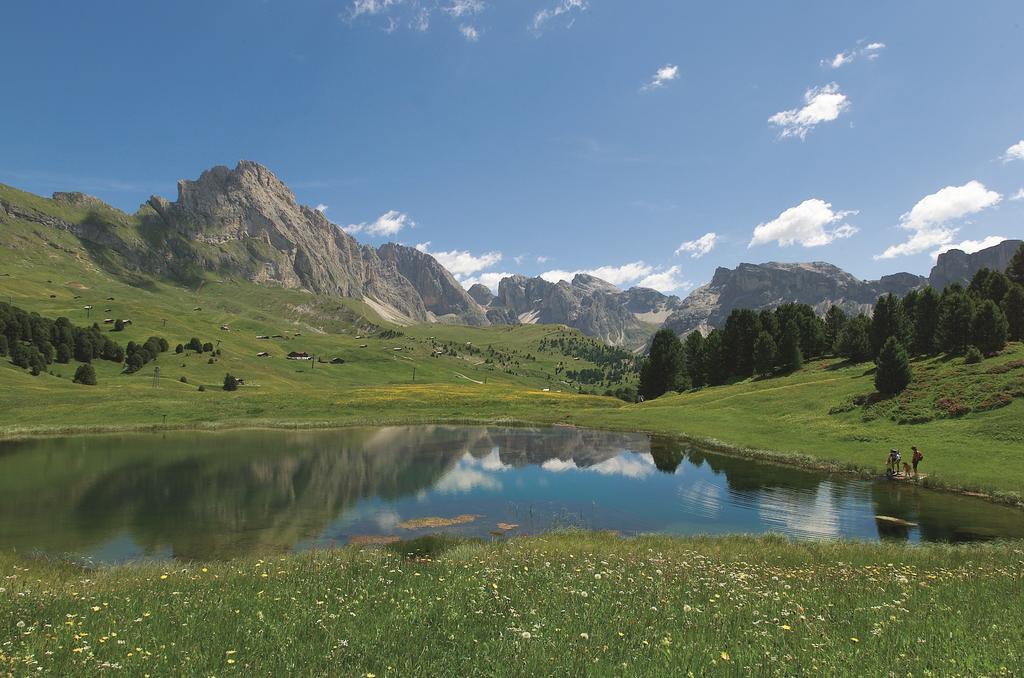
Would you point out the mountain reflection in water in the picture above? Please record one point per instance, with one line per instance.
(220, 495)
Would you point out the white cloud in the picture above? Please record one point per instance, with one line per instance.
(666, 281)
(460, 8)
(1019, 195)
(371, 7)
(1015, 152)
(563, 7)
(929, 219)
(462, 263)
(469, 32)
(321, 208)
(489, 280)
(636, 273)
(970, 246)
(821, 104)
(543, 260)
(387, 224)
(870, 51)
(699, 247)
(805, 224)
(661, 77)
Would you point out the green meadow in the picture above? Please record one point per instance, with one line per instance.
(560, 604)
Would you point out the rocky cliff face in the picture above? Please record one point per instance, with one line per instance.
(589, 304)
(246, 221)
(956, 266)
(758, 286)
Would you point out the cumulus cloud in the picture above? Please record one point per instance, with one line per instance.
(636, 273)
(970, 246)
(1019, 195)
(929, 220)
(489, 280)
(1015, 152)
(562, 8)
(462, 263)
(821, 104)
(699, 247)
(543, 260)
(870, 51)
(806, 224)
(661, 77)
(387, 224)
(469, 32)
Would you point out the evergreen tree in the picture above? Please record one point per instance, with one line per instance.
(179, 349)
(134, 362)
(194, 345)
(83, 347)
(791, 358)
(926, 321)
(955, 313)
(716, 363)
(230, 383)
(764, 354)
(85, 374)
(1013, 309)
(1015, 271)
(835, 321)
(893, 373)
(64, 353)
(741, 330)
(4, 346)
(979, 283)
(664, 368)
(693, 350)
(854, 341)
(997, 287)
(887, 321)
(118, 325)
(770, 323)
(989, 328)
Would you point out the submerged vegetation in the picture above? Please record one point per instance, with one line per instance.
(563, 604)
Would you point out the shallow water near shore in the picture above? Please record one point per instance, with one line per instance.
(201, 496)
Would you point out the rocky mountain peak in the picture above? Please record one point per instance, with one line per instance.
(957, 266)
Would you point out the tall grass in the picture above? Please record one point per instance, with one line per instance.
(561, 604)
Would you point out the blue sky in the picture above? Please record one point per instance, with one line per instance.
(548, 136)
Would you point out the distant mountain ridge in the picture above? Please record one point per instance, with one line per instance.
(246, 222)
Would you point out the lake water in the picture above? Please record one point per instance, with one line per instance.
(218, 495)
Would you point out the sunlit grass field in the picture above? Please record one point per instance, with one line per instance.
(562, 604)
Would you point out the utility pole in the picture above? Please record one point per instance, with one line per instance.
(414, 375)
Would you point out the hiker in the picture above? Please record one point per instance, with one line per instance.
(916, 458)
(894, 462)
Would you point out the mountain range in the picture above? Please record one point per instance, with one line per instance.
(245, 222)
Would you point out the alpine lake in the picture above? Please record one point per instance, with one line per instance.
(196, 496)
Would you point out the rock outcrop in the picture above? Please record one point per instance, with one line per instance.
(247, 222)
(758, 286)
(957, 266)
(589, 304)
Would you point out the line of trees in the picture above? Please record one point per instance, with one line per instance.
(983, 316)
(751, 342)
(34, 343)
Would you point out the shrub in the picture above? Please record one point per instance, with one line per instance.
(118, 325)
(230, 383)
(85, 374)
(179, 349)
(201, 388)
(973, 355)
(194, 345)
(183, 380)
(208, 347)
(893, 373)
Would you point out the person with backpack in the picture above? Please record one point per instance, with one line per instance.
(916, 458)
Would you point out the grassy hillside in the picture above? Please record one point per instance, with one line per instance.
(966, 418)
(562, 604)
